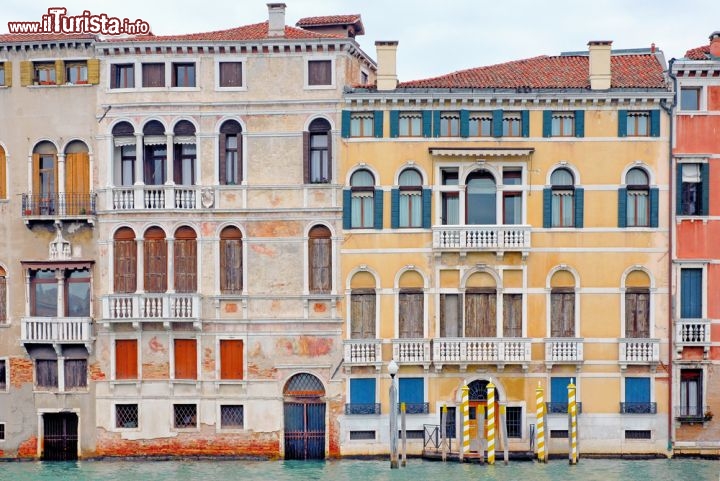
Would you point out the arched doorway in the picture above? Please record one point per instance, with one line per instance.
(304, 417)
(477, 398)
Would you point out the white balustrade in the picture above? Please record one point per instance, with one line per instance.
(480, 350)
(155, 197)
(411, 351)
(558, 350)
(56, 329)
(136, 307)
(481, 237)
(362, 352)
(639, 351)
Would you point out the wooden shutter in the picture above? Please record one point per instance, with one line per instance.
(394, 208)
(464, 123)
(8, 73)
(410, 315)
(347, 209)
(26, 73)
(655, 123)
(153, 75)
(230, 74)
(654, 206)
(77, 183)
(319, 256)
(126, 366)
(306, 157)
(185, 359)
(231, 359)
(378, 123)
(579, 206)
(562, 313)
(185, 262)
(436, 123)
(637, 310)
(177, 164)
(427, 123)
(231, 261)
(362, 314)
(36, 175)
(426, 208)
(547, 123)
(3, 174)
(705, 189)
(59, 72)
(622, 207)
(637, 389)
(125, 265)
(450, 319)
(579, 123)
(155, 256)
(378, 206)
(93, 71)
(345, 127)
(525, 123)
(497, 123)
(481, 312)
(394, 123)
(547, 207)
(622, 123)
(512, 315)
(222, 168)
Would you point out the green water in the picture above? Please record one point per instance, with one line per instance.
(416, 470)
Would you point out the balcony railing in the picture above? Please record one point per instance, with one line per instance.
(53, 206)
(151, 307)
(692, 333)
(362, 352)
(481, 237)
(155, 197)
(639, 351)
(56, 329)
(693, 414)
(464, 351)
(563, 350)
(561, 407)
(415, 408)
(365, 409)
(638, 408)
(412, 351)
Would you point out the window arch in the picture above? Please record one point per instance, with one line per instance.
(637, 305)
(563, 202)
(562, 304)
(231, 261)
(410, 201)
(317, 152)
(185, 260)
(481, 198)
(184, 153)
(155, 153)
(77, 178)
(45, 179)
(320, 260)
(637, 202)
(125, 261)
(362, 203)
(362, 306)
(125, 153)
(411, 305)
(155, 260)
(230, 148)
(480, 305)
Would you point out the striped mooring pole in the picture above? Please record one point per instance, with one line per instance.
(491, 423)
(465, 405)
(572, 414)
(540, 423)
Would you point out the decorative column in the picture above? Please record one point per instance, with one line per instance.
(491, 423)
(465, 408)
(572, 415)
(540, 423)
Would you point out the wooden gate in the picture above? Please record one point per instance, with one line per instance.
(304, 414)
(60, 437)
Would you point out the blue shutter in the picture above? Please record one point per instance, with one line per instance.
(411, 390)
(345, 132)
(637, 389)
(547, 123)
(427, 123)
(497, 123)
(378, 209)
(705, 189)
(464, 123)
(654, 210)
(436, 123)
(525, 120)
(559, 390)
(394, 123)
(427, 208)
(691, 293)
(362, 391)
(347, 203)
(579, 123)
(547, 207)
(395, 208)
(622, 123)
(378, 122)
(579, 206)
(655, 123)
(622, 207)
(678, 190)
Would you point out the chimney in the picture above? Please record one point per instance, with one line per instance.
(599, 64)
(387, 66)
(276, 16)
(715, 44)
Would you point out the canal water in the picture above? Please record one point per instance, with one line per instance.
(362, 470)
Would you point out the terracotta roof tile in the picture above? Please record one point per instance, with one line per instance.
(43, 37)
(328, 20)
(699, 53)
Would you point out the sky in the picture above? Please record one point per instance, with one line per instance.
(435, 37)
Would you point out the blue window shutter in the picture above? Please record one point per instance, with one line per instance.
(678, 190)
(579, 123)
(427, 208)
(347, 203)
(394, 123)
(547, 123)
(654, 211)
(637, 389)
(655, 123)
(705, 188)
(622, 207)
(579, 206)
(362, 391)
(497, 123)
(345, 133)
(547, 207)
(559, 390)
(378, 208)
(464, 123)
(411, 390)
(622, 123)
(436, 123)
(525, 120)
(378, 122)
(691, 293)
(395, 208)
(427, 123)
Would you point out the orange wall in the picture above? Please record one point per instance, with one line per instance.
(698, 133)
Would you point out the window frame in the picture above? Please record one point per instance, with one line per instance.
(231, 428)
(449, 123)
(185, 260)
(229, 236)
(409, 299)
(356, 191)
(512, 124)
(698, 98)
(145, 76)
(185, 369)
(125, 253)
(125, 71)
(70, 65)
(363, 119)
(323, 172)
(562, 124)
(189, 426)
(50, 370)
(635, 120)
(480, 124)
(317, 236)
(408, 121)
(185, 71)
(558, 190)
(223, 374)
(3, 79)
(363, 301)
(633, 191)
(40, 66)
(312, 60)
(694, 191)
(405, 196)
(242, 61)
(5, 374)
(569, 298)
(228, 129)
(116, 420)
(696, 376)
(133, 362)
(155, 235)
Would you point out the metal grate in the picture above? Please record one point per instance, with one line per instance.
(638, 434)
(412, 434)
(231, 416)
(513, 419)
(477, 391)
(185, 415)
(304, 384)
(126, 415)
(559, 433)
(356, 435)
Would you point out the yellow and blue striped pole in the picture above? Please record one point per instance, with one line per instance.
(465, 406)
(540, 422)
(491, 423)
(572, 413)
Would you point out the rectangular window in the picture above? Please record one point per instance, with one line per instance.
(362, 208)
(691, 293)
(231, 74)
(44, 73)
(231, 359)
(559, 394)
(410, 124)
(411, 391)
(562, 313)
(690, 98)
(75, 373)
(481, 313)
(563, 207)
(691, 189)
(362, 314)
(361, 124)
(450, 422)
(563, 124)
(410, 314)
(185, 416)
(2, 431)
(449, 124)
(153, 75)
(46, 373)
(480, 124)
(231, 278)
(512, 124)
(512, 208)
(183, 74)
(691, 394)
(450, 315)
(122, 76)
(43, 294)
(231, 416)
(126, 416)
(513, 419)
(362, 397)
(638, 434)
(637, 396)
(320, 72)
(559, 433)
(637, 313)
(638, 124)
(185, 359)
(232, 166)
(76, 72)
(361, 435)
(319, 153)
(450, 209)
(127, 165)
(512, 315)
(3, 375)
(126, 362)
(2, 74)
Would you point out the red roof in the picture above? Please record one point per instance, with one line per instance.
(328, 20)
(699, 53)
(43, 37)
(556, 72)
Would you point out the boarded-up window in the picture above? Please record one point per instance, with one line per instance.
(185, 260)
(562, 313)
(512, 315)
(126, 365)
(3, 296)
(153, 75)
(125, 261)
(481, 313)
(319, 72)
(231, 279)
(450, 318)
(75, 373)
(411, 317)
(231, 74)
(362, 314)
(155, 253)
(231, 359)
(320, 259)
(46, 373)
(185, 359)
(637, 313)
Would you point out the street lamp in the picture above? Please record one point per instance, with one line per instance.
(392, 370)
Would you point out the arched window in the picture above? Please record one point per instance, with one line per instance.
(637, 305)
(411, 306)
(231, 275)
(362, 306)
(155, 260)
(562, 304)
(185, 260)
(637, 202)
(481, 306)
(481, 198)
(185, 153)
(155, 142)
(317, 152)
(230, 161)
(45, 179)
(563, 198)
(125, 261)
(410, 199)
(320, 260)
(362, 199)
(77, 179)
(124, 153)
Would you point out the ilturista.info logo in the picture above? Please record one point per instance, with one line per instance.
(58, 21)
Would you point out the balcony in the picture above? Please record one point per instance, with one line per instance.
(638, 408)
(362, 352)
(414, 408)
(639, 352)
(38, 207)
(693, 414)
(692, 333)
(155, 197)
(482, 238)
(561, 407)
(563, 351)
(412, 351)
(464, 351)
(364, 409)
(57, 330)
(165, 308)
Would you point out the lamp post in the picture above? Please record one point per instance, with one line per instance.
(392, 370)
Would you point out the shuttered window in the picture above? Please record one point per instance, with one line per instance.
(320, 259)
(231, 74)
(46, 373)
(3, 296)
(231, 275)
(480, 313)
(362, 314)
(185, 358)
(122, 76)
(153, 75)
(185, 260)
(691, 293)
(411, 317)
(319, 72)
(512, 315)
(231, 359)
(183, 75)
(562, 313)
(637, 313)
(450, 317)
(125, 261)
(155, 257)
(75, 373)
(126, 363)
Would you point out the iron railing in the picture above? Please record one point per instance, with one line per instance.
(58, 205)
(366, 409)
(415, 408)
(638, 408)
(561, 407)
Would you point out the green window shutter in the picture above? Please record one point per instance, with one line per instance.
(497, 123)
(622, 207)
(427, 208)
(655, 123)
(547, 123)
(378, 209)
(525, 119)
(345, 132)
(464, 123)
(395, 208)
(378, 122)
(436, 123)
(678, 189)
(705, 188)
(427, 123)
(579, 206)
(579, 123)
(622, 123)
(347, 203)
(394, 123)
(547, 207)
(654, 211)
